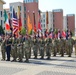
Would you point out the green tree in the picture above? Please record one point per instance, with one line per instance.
(23, 31)
(1, 30)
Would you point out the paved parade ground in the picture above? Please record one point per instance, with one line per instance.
(55, 66)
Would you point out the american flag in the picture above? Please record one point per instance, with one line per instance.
(15, 23)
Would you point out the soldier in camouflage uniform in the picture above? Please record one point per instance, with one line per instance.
(58, 45)
(48, 47)
(30, 45)
(42, 47)
(35, 47)
(75, 46)
(19, 48)
(3, 49)
(26, 47)
(70, 44)
(39, 41)
(55, 46)
(0, 40)
(62, 46)
(14, 48)
(66, 47)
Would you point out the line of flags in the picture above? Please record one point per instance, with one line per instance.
(17, 22)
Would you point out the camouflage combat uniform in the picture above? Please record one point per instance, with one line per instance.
(49, 48)
(3, 50)
(26, 47)
(14, 49)
(42, 47)
(35, 47)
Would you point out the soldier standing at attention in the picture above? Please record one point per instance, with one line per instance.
(42, 47)
(62, 46)
(54, 46)
(3, 51)
(26, 47)
(70, 44)
(48, 47)
(19, 48)
(35, 47)
(75, 46)
(8, 47)
(14, 48)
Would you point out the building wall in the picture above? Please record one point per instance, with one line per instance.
(30, 9)
(58, 19)
(29, 1)
(1, 14)
(50, 20)
(15, 6)
(43, 21)
(71, 22)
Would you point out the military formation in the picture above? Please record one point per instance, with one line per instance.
(23, 47)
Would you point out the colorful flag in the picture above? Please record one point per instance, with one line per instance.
(29, 24)
(35, 30)
(6, 21)
(63, 34)
(19, 19)
(15, 23)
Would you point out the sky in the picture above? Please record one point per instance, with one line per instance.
(68, 6)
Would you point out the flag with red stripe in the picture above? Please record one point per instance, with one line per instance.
(15, 23)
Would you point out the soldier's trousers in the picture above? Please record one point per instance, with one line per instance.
(42, 52)
(62, 51)
(3, 54)
(69, 51)
(30, 53)
(48, 52)
(14, 53)
(35, 52)
(54, 51)
(75, 51)
(27, 54)
(8, 50)
(19, 51)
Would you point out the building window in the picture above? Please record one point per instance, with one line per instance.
(24, 15)
(11, 15)
(44, 20)
(67, 26)
(24, 8)
(41, 25)
(41, 20)
(67, 23)
(53, 15)
(1, 22)
(24, 21)
(43, 15)
(11, 8)
(1, 13)
(53, 20)
(44, 25)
